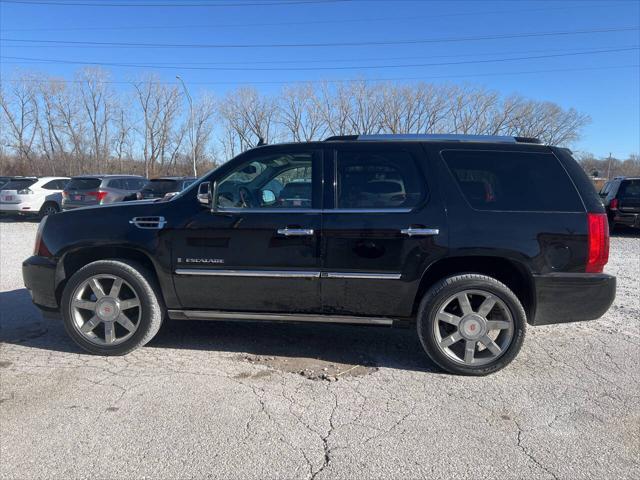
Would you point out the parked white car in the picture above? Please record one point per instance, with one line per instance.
(32, 196)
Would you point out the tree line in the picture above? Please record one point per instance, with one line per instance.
(50, 126)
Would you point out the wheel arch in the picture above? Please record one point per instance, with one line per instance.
(75, 259)
(512, 273)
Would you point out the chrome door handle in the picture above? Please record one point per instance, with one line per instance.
(419, 232)
(295, 232)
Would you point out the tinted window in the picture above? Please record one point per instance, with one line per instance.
(374, 179)
(161, 186)
(629, 189)
(133, 183)
(515, 181)
(83, 184)
(275, 181)
(18, 184)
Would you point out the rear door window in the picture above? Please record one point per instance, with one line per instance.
(377, 179)
(83, 184)
(513, 181)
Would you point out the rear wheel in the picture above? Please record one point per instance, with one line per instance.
(111, 307)
(471, 324)
(49, 208)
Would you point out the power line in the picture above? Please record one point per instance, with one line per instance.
(306, 22)
(327, 44)
(336, 60)
(351, 80)
(179, 5)
(351, 67)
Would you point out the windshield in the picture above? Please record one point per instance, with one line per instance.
(18, 184)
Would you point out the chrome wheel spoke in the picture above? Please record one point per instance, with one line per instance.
(497, 325)
(491, 345)
(487, 305)
(130, 303)
(125, 322)
(90, 324)
(96, 288)
(469, 351)
(115, 288)
(106, 309)
(84, 304)
(448, 318)
(465, 306)
(451, 339)
(109, 332)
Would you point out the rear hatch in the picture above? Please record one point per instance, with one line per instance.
(629, 196)
(158, 188)
(13, 191)
(82, 192)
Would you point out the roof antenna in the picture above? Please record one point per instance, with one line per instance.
(260, 142)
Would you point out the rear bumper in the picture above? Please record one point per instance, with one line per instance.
(628, 219)
(13, 208)
(39, 275)
(572, 297)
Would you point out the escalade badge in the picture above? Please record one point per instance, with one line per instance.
(201, 260)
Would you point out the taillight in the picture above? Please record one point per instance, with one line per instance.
(613, 205)
(598, 242)
(25, 191)
(40, 248)
(99, 195)
(65, 195)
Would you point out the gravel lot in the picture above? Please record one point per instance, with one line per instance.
(224, 400)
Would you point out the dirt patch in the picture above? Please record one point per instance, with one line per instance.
(310, 368)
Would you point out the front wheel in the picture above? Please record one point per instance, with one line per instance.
(471, 324)
(111, 307)
(49, 208)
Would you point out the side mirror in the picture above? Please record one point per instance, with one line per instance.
(268, 197)
(204, 194)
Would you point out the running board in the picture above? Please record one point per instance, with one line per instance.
(275, 317)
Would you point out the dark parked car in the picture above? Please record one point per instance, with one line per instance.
(465, 238)
(621, 199)
(91, 190)
(161, 187)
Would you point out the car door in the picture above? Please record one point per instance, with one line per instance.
(260, 250)
(382, 226)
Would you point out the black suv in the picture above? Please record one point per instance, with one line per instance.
(467, 238)
(621, 198)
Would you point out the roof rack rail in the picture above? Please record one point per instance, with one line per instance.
(411, 137)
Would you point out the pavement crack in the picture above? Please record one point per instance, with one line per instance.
(530, 455)
(325, 439)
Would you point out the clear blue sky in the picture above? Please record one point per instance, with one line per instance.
(604, 85)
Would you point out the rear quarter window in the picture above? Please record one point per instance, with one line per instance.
(513, 181)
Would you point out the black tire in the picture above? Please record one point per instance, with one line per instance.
(436, 297)
(49, 208)
(147, 290)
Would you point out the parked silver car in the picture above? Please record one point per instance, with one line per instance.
(88, 190)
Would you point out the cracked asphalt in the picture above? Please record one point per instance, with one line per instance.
(227, 400)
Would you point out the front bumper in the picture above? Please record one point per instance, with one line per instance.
(39, 275)
(572, 297)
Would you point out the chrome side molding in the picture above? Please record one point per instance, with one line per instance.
(216, 315)
(419, 232)
(362, 275)
(218, 272)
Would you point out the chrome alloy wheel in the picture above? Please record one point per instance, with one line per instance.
(49, 210)
(105, 318)
(473, 327)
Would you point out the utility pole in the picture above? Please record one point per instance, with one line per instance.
(191, 126)
(609, 168)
